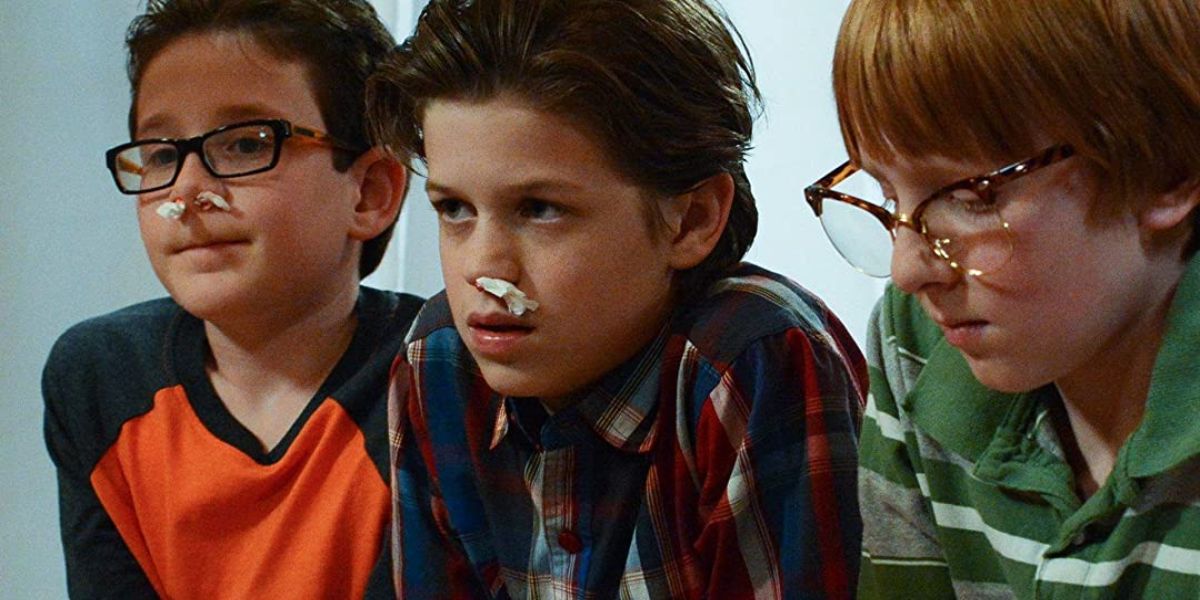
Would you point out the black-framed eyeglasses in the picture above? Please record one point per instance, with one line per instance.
(233, 150)
(960, 222)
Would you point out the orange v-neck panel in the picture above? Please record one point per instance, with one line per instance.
(162, 492)
(205, 520)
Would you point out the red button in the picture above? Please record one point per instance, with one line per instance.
(569, 541)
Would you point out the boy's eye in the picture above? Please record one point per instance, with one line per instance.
(249, 145)
(163, 156)
(540, 210)
(240, 145)
(966, 203)
(451, 210)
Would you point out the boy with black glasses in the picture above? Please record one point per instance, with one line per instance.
(1031, 431)
(230, 441)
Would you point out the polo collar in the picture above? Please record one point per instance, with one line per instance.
(1170, 430)
(955, 409)
(964, 416)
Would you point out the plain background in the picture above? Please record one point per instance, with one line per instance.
(69, 245)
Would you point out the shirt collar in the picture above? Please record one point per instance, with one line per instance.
(1169, 433)
(619, 409)
(955, 409)
(964, 416)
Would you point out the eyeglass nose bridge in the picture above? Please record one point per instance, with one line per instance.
(194, 145)
(899, 219)
(935, 245)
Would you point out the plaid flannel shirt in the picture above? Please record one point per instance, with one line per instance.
(718, 462)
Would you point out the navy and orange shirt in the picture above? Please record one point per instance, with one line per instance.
(162, 492)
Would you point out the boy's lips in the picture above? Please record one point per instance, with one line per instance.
(208, 243)
(964, 334)
(209, 254)
(495, 334)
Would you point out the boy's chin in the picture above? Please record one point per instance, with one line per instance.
(509, 380)
(512, 380)
(997, 375)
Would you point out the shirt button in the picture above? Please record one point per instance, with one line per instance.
(568, 540)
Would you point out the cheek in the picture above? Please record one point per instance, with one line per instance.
(152, 228)
(448, 257)
(616, 289)
(1056, 293)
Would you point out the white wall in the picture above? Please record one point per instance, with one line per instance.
(796, 142)
(69, 247)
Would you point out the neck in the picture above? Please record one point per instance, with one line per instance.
(1104, 400)
(266, 370)
(294, 351)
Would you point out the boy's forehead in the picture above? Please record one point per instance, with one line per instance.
(208, 79)
(525, 146)
(225, 114)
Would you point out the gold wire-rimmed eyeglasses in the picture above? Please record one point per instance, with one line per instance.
(960, 222)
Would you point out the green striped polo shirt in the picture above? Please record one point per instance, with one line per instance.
(965, 491)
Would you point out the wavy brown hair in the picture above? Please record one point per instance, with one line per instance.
(663, 85)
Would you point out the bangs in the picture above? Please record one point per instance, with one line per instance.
(966, 80)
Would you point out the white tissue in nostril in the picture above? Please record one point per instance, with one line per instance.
(515, 299)
(208, 199)
(171, 210)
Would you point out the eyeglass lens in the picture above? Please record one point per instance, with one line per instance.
(227, 153)
(855, 233)
(967, 230)
(960, 226)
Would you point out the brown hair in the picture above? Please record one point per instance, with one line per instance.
(663, 85)
(340, 42)
(991, 79)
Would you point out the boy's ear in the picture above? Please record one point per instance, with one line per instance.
(696, 219)
(1167, 211)
(382, 181)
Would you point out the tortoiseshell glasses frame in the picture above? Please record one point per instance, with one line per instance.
(960, 222)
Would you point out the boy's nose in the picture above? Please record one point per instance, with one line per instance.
(914, 265)
(194, 178)
(491, 251)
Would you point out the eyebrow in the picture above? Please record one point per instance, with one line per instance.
(225, 116)
(933, 177)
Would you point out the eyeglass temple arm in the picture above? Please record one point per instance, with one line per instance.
(128, 166)
(822, 187)
(837, 175)
(313, 136)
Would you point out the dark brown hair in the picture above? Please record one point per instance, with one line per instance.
(340, 42)
(663, 85)
(996, 79)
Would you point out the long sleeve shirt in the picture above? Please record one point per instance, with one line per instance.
(718, 462)
(163, 493)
